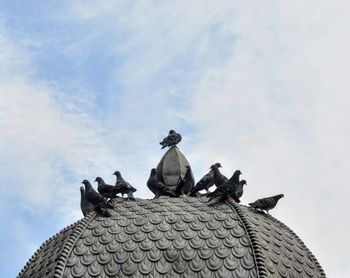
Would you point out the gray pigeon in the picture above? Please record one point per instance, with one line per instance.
(239, 191)
(123, 187)
(157, 187)
(172, 139)
(98, 201)
(185, 186)
(219, 178)
(106, 190)
(230, 187)
(206, 182)
(85, 206)
(266, 203)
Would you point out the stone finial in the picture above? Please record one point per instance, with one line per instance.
(172, 168)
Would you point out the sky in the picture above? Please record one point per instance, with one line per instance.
(90, 87)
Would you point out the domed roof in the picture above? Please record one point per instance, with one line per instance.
(175, 237)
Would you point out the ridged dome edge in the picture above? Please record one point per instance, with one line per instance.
(69, 245)
(253, 238)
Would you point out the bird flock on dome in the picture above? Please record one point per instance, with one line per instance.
(99, 202)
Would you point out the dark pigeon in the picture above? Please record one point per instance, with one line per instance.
(205, 183)
(266, 203)
(219, 178)
(106, 190)
(123, 187)
(98, 201)
(186, 184)
(230, 187)
(172, 139)
(157, 187)
(85, 206)
(239, 191)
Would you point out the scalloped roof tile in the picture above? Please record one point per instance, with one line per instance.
(171, 237)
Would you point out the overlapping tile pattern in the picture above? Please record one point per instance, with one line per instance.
(175, 237)
(285, 255)
(168, 237)
(43, 262)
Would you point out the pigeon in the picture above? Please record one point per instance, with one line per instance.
(85, 206)
(100, 204)
(185, 186)
(106, 190)
(123, 187)
(205, 183)
(266, 203)
(239, 191)
(219, 178)
(157, 187)
(230, 187)
(172, 139)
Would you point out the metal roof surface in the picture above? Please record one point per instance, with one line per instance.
(175, 237)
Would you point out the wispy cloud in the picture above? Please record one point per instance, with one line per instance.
(256, 86)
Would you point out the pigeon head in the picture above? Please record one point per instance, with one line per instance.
(85, 182)
(243, 182)
(214, 166)
(218, 165)
(153, 171)
(237, 173)
(99, 180)
(116, 173)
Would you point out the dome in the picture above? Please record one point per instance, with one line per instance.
(175, 237)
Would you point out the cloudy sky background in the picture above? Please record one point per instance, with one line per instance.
(89, 87)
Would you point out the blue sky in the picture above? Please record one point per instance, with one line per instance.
(89, 87)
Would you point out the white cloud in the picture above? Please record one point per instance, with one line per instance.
(48, 143)
(274, 103)
(262, 84)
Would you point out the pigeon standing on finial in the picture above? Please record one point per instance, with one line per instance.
(172, 139)
(206, 182)
(85, 206)
(106, 190)
(266, 203)
(185, 186)
(157, 187)
(123, 187)
(230, 187)
(219, 178)
(100, 204)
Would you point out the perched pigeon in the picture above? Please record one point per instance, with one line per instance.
(206, 182)
(185, 186)
(100, 204)
(123, 187)
(230, 187)
(239, 191)
(172, 139)
(106, 190)
(219, 178)
(85, 206)
(266, 203)
(157, 187)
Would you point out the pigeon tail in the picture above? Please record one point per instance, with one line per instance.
(213, 201)
(103, 212)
